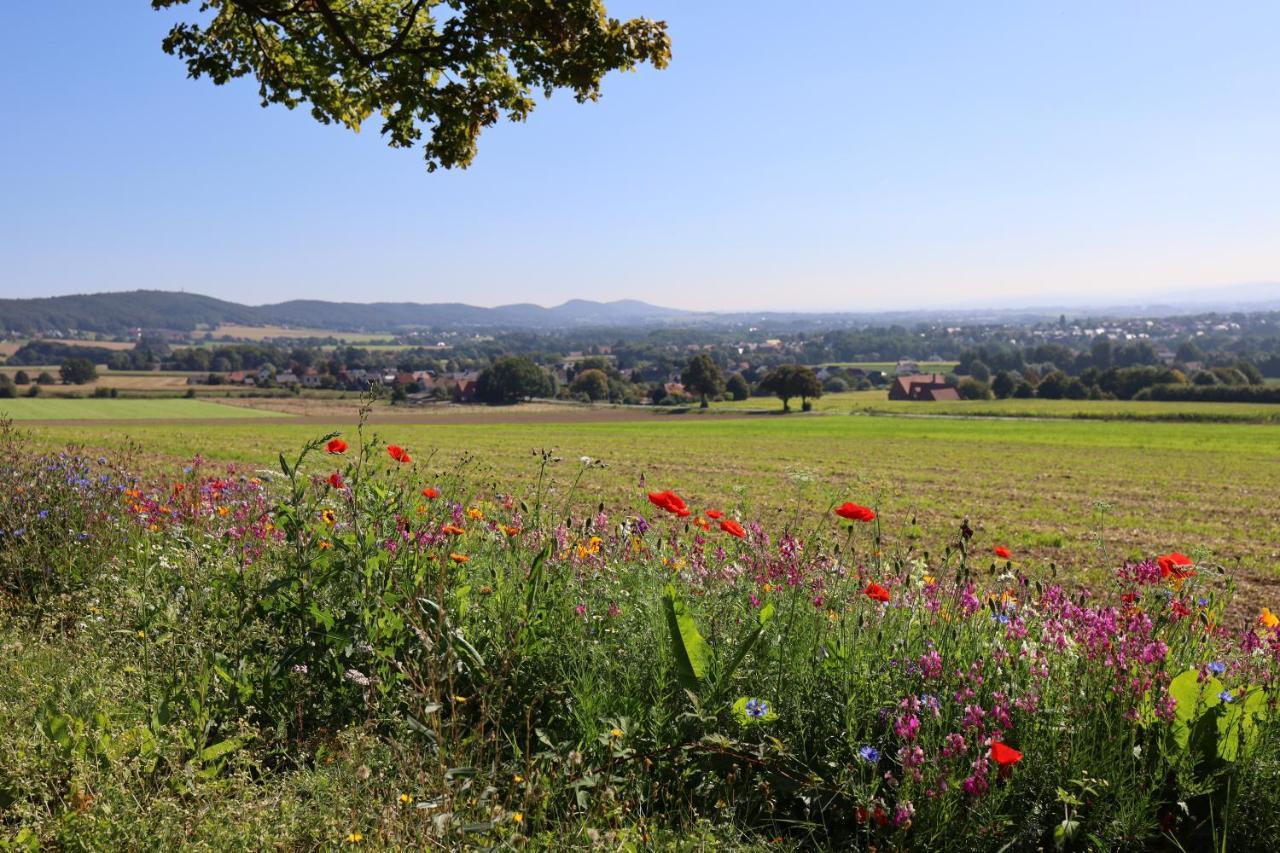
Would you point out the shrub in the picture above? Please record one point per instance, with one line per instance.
(971, 389)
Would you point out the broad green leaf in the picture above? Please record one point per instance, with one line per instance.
(692, 654)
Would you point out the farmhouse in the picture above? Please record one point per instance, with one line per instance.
(922, 386)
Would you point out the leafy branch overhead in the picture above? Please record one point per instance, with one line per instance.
(448, 68)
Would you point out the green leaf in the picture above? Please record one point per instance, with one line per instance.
(220, 749)
(692, 653)
(1237, 724)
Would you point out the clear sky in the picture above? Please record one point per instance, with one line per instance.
(816, 154)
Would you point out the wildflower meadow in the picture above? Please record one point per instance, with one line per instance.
(356, 645)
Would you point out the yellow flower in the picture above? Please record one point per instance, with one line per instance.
(354, 838)
(518, 817)
(615, 732)
(142, 635)
(930, 580)
(1269, 619)
(518, 778)
(329, 517)
(404, 798)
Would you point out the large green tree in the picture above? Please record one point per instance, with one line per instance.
(792, 380)
(702, 377)
(453, 67)
(511, 379)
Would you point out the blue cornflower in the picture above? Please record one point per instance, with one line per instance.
(1226, 696)
(1002, 619)
(869, 754)
(1202, 602)
(757, 708)
(1217, 667)
(42, 514)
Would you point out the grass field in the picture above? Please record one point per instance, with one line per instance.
(1081, 494)
(24, 409)
(890, 366)
(877, 402)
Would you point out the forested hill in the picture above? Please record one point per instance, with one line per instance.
(119, 313)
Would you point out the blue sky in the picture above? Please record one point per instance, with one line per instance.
(814, 155)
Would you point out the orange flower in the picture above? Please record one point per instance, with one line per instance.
(733, 528)
(702, 522)
(1004, 755)
(430, 493)
(398, 453)
(459, 558)
(1269, 619)
(335, 480)
(855, 512)
(876, 592)
(452, 530)
(1003, 552)
(511, 530)
(336, 445)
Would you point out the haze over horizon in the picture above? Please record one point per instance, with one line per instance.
(853, 158)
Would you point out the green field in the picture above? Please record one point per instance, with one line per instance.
(1081, 494)
(877, 402)
(27, 409)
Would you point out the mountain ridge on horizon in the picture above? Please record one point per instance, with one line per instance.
(114, 312)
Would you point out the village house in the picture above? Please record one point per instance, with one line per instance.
(923, 387)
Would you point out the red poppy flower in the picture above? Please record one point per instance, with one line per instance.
(335, 480)
(430, 493)
(855, 512)
(715, 514)
(733, 528)
(1175, 565)
(1004, 755)
(876, 592)
(671, 502)
(1003, 552)
(336, 445)
(398, 453)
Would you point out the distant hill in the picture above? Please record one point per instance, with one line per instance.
(119, 313)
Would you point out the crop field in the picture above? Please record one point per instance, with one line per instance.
(58, 409)
(262, 333)
(1078, 494)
